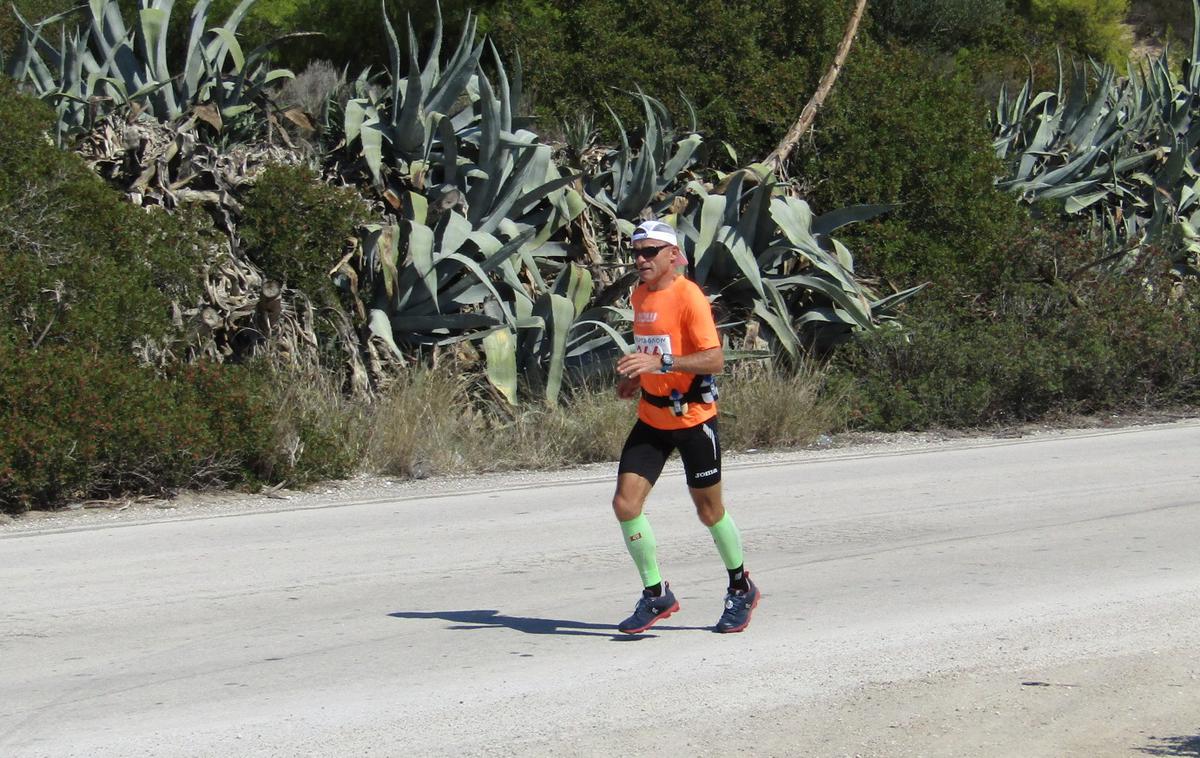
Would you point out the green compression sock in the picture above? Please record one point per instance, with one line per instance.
(729, 541)
(639, 538)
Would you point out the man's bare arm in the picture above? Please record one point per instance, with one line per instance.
(710, 361)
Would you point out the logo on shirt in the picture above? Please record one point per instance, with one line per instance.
(646, 317)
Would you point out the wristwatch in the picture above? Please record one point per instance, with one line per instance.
(668, 363)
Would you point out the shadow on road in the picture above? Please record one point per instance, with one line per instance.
(489, 619)
(1173, 746)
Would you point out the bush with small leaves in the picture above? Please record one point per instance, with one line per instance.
(81, 265)
(902, 128)
(295, 228)
(1091, 27)
(1051, 336)
(946, 24)
(81, 424)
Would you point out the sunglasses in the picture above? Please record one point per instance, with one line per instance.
(648, 252)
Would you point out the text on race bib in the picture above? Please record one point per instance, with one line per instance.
(654, 344)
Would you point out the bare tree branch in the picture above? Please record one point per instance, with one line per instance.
(779, 156)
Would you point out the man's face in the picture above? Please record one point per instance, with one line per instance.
(653, 259)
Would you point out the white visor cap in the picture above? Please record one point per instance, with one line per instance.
(655, 230)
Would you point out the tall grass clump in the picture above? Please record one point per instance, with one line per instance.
(444, 421)
(424, 424)
(439, 421)
(313, 430)
(764, 405)
(590, 427)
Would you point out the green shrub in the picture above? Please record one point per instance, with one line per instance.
(747, 66)
(33, 11)
(295, 228)
(80, 424)
(1050, 337)
(1090, 27)
(76, 424)
(946, 24)
(81, 265)
(904, 128)
(88, 275)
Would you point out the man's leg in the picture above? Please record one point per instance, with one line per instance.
(657, 601)
(700, 449)
(724, 531)
(642, 461)
(628, 501)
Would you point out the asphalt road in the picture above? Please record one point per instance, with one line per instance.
(984, 597)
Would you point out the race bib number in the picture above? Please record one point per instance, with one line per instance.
(654, 344)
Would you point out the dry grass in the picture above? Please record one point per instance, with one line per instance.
(589, 427)
(437, 421)
(764, 406)
(317, 432)
(425, 425)
(313, 87)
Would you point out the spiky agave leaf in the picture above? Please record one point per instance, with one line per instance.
(646, 180)
(111, 66)
(1122, 153)
(770, 258)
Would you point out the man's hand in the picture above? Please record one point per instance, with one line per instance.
(633, 365)
(628, 388)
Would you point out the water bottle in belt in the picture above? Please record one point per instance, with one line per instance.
(678, 407)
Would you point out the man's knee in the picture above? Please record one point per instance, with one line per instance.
(632, 490)
(709, 506)
(627, 506)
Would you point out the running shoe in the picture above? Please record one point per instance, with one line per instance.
(650, 610)
(738, 608)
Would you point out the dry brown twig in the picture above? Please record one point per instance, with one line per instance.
(778, 157)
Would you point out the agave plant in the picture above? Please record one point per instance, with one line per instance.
(538, 346)
(479, 200)
(107, 66)
(1123, 154)
(630, 184)
(763, 254)
(392, 121)
(481, 231)
(455, 137)
(453, 283)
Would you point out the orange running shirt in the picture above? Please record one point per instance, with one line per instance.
(676, 320)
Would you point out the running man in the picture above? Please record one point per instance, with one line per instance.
(677, 353)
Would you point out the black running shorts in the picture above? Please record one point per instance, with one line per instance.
(647, 449)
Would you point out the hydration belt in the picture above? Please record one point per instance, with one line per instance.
(703, 389)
